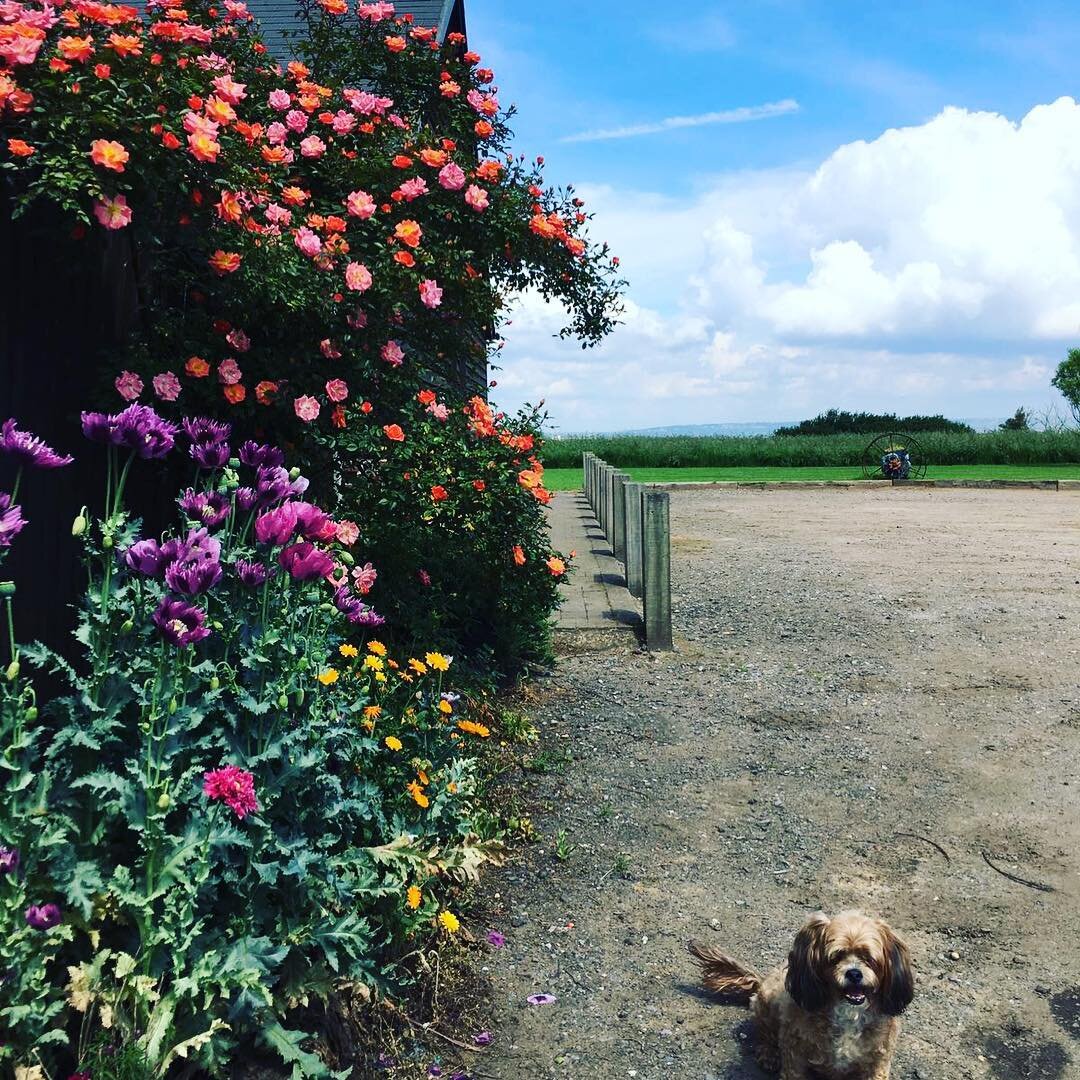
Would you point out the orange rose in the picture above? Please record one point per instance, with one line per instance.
(408, 232)
(556, 566)
(519, 555)
(225, 262)
(426, 397)
(20, 148)
(439, 493)
(235, 393)
(76, 48)
(393, 432)
(109, 154)
(395, 44)
(265, 391)
(197, 367)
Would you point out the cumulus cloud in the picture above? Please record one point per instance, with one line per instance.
(937, 265)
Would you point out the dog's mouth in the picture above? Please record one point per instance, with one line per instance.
(855, 997)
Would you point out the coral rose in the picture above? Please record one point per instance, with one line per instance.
(109, 154)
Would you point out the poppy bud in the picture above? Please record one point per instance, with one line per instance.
(107, 543)
(12, 671)
(127, 626)
(346, 558)
(173, 706)
(7, 588)
(215, 682)
(163, 802)
(299, 697)
(283, 701)
(78, 526)
(31, 714)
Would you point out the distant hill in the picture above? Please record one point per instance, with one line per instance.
(763, 427)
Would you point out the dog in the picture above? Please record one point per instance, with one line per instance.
(831, 1011)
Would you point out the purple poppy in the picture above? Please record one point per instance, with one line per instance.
(193, 578)
(434, 1070)
(210, 455)
(198, 545)
(496, 939)
(180, 623)
(27, 449)
(43, 916)
(201, 429)
(246, 498)
(146, 557)
(541, 999)
(483, 1038)
(140, 429)
(99, 427)
(11, 520)
(305, 562)
(256, 454)
(251, 574)
(9, 860)
(313, 523)
(276, 526)
(209, 507)
(355, 610)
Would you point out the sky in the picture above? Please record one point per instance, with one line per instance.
(817, 204)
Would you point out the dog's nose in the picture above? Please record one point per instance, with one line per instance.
(853, 975)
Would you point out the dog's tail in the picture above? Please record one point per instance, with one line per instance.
(722, 975)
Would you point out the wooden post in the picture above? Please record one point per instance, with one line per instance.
(618, 516)
(656, 601)
(632, 495)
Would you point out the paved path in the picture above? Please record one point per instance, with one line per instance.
(596, 597)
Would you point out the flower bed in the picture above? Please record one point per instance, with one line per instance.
(243, 800)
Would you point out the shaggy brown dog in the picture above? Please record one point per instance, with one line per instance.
(831, 1011)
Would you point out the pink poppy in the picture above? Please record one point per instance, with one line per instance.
(128, 385)
(166, 386)
(337, 389)
(306, 408)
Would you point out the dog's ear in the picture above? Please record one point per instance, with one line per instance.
(897, 978)
(806, 973)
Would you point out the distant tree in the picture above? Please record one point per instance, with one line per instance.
(838, 422)
(1067, 380)
(1018, 421)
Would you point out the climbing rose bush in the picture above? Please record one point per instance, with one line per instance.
(315, 244)
(242, 800)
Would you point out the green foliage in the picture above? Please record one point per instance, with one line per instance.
(1017, 422)
(838, 422)
(1067, 380)
(939, 448)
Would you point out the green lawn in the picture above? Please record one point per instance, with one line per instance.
(570, 479)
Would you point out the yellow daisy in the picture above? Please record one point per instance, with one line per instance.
(413, 897)
(449, 921)
(393, 742)
(348, 651)
(377, 648)
(328, 677)
(437, 661)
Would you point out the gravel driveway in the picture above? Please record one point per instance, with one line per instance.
(875, 692)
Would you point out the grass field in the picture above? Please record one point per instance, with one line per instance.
(818, 451)
(570, 479)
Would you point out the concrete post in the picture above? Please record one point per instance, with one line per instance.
(585, 474)
(632, 494)
(618, 516)
(609, 503)
(656, 601)
(602, 516)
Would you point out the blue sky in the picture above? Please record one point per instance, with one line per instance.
(882, 217)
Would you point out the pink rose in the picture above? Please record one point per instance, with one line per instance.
(439, 411)
(347, 533)
(308, 242)
(227, 90)
(279, 100)
(278, 215)
(306, 408)
(276, 133)
(295, 120)
(113, 213)
(238, 340)
(166, 386)
(477, 198)
(343, 122)
(357, 320)
(430, 293)
(452, 177)
(357, 277)
(364, 578)
(329, 349)
(229, 372)
(413, 189)
(360, 204)
(337, 389)
(391, 352)
(312, 147)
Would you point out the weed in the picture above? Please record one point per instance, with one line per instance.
(563, 848)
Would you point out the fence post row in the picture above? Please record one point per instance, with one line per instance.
(637, 524)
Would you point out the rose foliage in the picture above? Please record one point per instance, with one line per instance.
(314, 248)
(242, 802)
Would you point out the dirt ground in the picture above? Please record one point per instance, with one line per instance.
(874, 693)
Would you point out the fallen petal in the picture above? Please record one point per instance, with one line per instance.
(541, 999)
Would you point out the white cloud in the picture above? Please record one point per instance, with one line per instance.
(743, 115)
(935, 267)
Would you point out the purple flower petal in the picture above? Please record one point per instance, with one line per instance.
(496, 939)
(541, 999)
(483, 1038)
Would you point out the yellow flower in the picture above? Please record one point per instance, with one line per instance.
(418, 667)
(380, 676)
(372, 712)
(474, 729)
(423, 776)
(452, 788)
(373, 663)
(450, 921)
(445, 707)
(348, 651)
(437, 661)
(418, 795)
(393, 742)
(328, 677)
(369, 725)
(377, 648)
(412, 897)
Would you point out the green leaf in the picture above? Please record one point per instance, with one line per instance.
(286, 1044)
